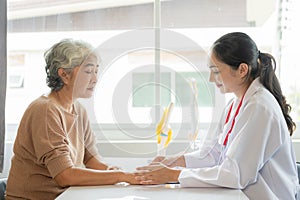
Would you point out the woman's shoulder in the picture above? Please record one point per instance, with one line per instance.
(263, 97)
(41, 104)
(264, 102)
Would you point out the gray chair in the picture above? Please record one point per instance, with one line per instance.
(298, 167)
(2, 188)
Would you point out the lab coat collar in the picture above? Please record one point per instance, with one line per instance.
(254, 87)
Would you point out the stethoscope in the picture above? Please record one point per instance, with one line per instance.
(233, 121)
(224, 144)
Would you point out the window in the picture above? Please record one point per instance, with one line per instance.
(143, 89)
(16, 71)
(288, 61)
(145, 68)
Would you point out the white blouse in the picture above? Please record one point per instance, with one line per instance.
(258, 157)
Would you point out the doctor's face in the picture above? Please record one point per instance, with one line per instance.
(223, 75)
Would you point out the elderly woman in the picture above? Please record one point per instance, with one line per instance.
(55, 146)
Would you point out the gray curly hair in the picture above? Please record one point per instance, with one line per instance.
(66, 54)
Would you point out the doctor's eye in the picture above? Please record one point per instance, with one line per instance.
(215, 71)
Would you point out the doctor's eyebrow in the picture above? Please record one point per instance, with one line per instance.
(212, 66)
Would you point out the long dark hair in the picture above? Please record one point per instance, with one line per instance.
(236, 48)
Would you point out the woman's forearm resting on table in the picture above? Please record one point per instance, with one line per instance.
(80, 176)
(95, 163)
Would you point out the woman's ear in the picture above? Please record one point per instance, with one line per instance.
(63, 75)
(243, 70)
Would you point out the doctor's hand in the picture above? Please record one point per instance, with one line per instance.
(156, 173)
(176, 161)
(158, 159)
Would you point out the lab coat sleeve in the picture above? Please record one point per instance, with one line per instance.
(209, 151)
(216, 176)
(251, 147)
(207, 156)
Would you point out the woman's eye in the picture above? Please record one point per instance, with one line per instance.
(88, 72)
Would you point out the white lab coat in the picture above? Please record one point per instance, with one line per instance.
(258, 158)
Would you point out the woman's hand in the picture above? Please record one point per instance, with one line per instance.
(156, 173)
(130, 178)
(113, 168)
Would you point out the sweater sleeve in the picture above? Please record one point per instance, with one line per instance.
(50, 140)
(90, 140)
(90, 145)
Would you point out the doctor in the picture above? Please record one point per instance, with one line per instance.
(251, 148)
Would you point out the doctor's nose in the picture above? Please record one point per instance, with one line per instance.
(211, 77)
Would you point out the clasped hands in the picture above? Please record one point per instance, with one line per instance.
(156, 173)
(159, 171)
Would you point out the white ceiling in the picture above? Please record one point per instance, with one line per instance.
(19, 9)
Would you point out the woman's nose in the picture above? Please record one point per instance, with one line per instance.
(94, 78)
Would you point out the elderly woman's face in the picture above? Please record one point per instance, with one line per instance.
(85, 77)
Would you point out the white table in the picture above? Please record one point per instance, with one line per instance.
(153, 192)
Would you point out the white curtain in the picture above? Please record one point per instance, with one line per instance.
(3, 22)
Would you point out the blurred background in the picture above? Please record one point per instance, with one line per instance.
(136, 82)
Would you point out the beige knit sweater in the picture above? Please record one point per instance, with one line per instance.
(49, 140)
